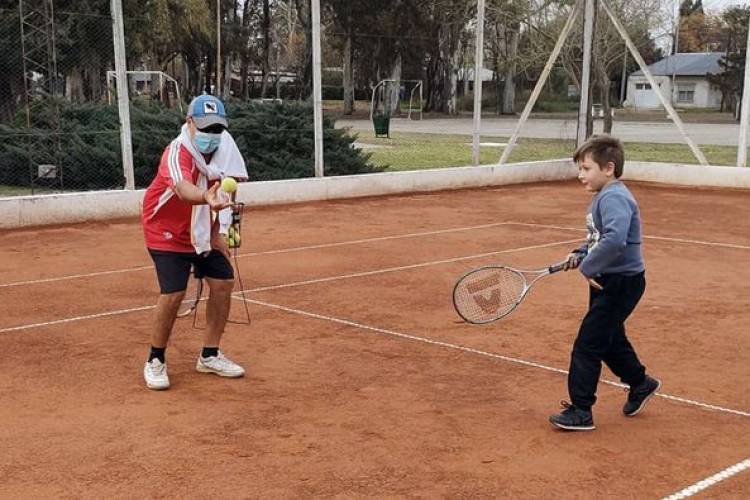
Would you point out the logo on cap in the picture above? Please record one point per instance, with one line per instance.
(209, 107)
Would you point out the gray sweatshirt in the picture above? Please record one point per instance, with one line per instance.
(613, 244)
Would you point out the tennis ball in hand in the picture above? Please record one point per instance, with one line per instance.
(229, 185)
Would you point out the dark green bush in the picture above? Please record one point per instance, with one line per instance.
(277, 142)
(275, 138)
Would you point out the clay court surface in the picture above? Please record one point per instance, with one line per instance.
(362, 381)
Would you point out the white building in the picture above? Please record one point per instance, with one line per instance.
(693, 89)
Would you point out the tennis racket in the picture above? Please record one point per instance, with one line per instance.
(192, 296)
(489, 293)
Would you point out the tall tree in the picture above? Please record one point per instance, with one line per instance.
(266, 63)
(446, 22)
(731, 79)
(11, 66)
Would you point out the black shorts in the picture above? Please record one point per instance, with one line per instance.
(173, 268)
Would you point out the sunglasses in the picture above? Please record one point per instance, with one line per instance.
(213, 129)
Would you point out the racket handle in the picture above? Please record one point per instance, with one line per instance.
(554, 268)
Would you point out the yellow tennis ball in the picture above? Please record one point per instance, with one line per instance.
(229, 185)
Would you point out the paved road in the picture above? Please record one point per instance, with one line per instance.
(720, 134)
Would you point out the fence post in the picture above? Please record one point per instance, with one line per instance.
(478, 63)
(588, 42)
(744, 110)
(123, 99)
(317, 93)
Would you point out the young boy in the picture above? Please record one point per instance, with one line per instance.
(612, 262)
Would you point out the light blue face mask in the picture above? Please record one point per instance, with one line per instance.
(206, 143)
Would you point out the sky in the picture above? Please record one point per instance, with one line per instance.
(718, 5)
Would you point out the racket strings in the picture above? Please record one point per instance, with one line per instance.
(489, 294)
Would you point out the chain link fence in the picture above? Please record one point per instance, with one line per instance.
(397, 84)
(56, 131)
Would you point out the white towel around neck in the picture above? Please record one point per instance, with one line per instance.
(226, 161)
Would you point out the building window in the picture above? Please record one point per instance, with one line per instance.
(643, 86)
(686, 96)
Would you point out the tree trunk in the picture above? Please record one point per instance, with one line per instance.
(200, 71)
(497, 67)
(571, 72)
(305, 17)
(509, 91)
(453, 92)
(604, 88)
(348, 74)
(244, 68)
(394, 88)
(74, 85)
(277, 81)
(227, 76)
(209, 73)
(9, 86)
(266, 27)
(433, 83)
(444, 81)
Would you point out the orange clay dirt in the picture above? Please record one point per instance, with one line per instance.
(359, 379)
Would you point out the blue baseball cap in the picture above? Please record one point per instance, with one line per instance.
(207, 110)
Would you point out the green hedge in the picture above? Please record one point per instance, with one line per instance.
(276, 140)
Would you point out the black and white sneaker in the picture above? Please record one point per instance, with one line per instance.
(573, 418)
(639, 396)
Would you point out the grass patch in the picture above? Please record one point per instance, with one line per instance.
(13, 191)
(414, 151)
(7, 191)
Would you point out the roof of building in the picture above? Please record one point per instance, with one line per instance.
(686, 64)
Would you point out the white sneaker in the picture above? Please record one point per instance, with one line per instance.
(155, 374)
(220, 365)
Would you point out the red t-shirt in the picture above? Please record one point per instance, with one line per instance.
(166, 222)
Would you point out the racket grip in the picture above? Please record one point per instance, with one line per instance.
(554, 268)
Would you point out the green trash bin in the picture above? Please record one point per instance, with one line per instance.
(381, 122)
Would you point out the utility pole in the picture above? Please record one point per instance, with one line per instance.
(744, 109)
(675, 49)
(478, 63)
(317, 92)
(588, 42)
(123, 98)
(218, 48)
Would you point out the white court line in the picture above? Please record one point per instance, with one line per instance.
(76, 318)
(658, 238)
(409, 266)
(471, 350)
(267, 252)
(369, 240)
(74, 276)
(298, 283)
(710, 481)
